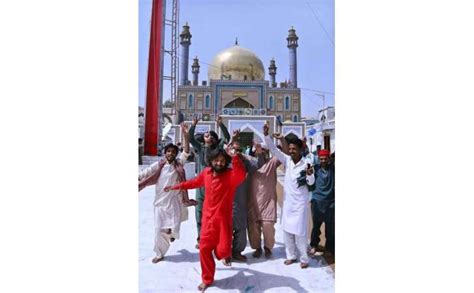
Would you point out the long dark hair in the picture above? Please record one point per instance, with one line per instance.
(213, 154)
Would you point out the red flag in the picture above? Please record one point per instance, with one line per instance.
(154, 90)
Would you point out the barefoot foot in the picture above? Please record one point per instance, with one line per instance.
(202, 287)
(257, 253)
(157, 259)
(304, 265)
(227, 262)
(268, 252)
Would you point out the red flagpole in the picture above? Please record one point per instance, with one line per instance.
(153, 91)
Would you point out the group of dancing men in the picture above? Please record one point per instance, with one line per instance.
(236, 196)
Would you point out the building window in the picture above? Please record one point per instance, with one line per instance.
(191, 101)
(270, 102)
(208, 102)
(245, 77)
(287, 103)
(295, 118)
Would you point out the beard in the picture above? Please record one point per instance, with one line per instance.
(219, 169)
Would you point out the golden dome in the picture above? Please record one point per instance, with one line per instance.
(236, 63)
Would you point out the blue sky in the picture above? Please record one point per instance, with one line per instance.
(261, 26)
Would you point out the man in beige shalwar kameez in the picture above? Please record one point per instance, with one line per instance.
(262, 214)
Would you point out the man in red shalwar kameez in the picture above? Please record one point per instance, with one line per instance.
(220, 183)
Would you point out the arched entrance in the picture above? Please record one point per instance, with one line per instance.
(239, 103)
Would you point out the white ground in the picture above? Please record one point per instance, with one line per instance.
(180, 271)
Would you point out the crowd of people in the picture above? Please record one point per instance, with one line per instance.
(236, 197)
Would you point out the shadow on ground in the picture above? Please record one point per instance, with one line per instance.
(183, 256)
(248, 280)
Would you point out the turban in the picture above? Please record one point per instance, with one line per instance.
(323, 153)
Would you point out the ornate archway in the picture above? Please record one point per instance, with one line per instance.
(239, 103)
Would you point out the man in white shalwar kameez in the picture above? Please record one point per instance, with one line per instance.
(299, 175)
(169, 207)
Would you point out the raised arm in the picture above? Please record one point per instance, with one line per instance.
(183, 157)
(252, 164)
(185, 132)
(238, 170)
(224, 130)
(284, 144)
(196, 144)
(235, 137)
(272, 148)
(260, 155)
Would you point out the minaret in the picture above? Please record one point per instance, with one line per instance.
(195, 70)
(185, 41)
(292, 45)
(272, 70)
